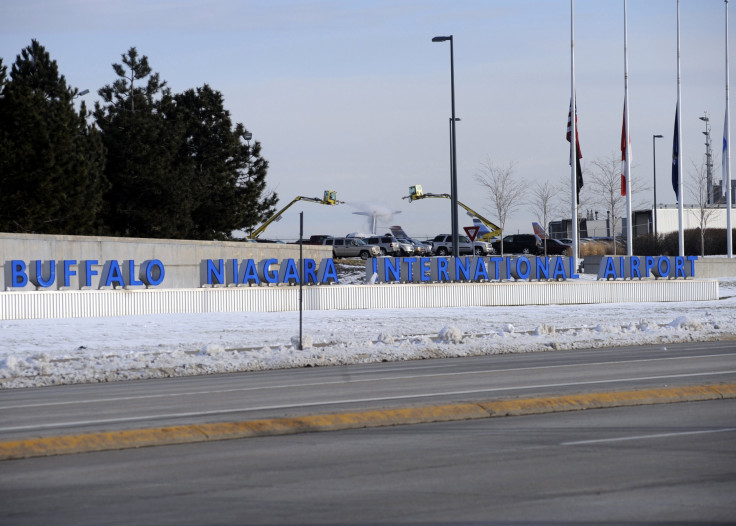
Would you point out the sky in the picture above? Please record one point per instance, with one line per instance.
(36, 353)
(353, 96)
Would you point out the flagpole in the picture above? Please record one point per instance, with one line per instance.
(680, 185)
(727, 153)
(627, 161)
(573, 142)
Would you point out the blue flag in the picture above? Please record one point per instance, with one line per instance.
(676, 159)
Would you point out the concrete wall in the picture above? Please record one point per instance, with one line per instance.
(181, 258)
(709, 267)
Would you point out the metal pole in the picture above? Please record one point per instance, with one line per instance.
(654, 159)
(573, 140)
(301, 275)
(727, 153)
(453, 189)
(680, 157)
(453, 148)
(627, 161)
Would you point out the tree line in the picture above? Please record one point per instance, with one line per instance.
(145, 162)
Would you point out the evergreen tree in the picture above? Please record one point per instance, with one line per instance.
(149, 194)
(51, 160)
(229, 174)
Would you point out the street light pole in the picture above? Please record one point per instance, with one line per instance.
(654, 159)
(453, 146)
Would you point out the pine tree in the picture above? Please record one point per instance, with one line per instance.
(149, 196)
(51, 160)
(228, 174)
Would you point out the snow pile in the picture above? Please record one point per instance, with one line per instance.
(67, 351)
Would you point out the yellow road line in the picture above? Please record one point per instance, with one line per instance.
(158, 436)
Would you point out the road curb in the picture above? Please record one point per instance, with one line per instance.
(185, 434)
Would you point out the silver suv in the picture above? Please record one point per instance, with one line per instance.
(388, 245)
(351, 247)
(442, 246)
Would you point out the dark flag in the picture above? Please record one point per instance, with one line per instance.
(676, 158)
(578, 170)
(624, 153)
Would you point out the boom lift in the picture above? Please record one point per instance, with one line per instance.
(330, 198)
(416, 192)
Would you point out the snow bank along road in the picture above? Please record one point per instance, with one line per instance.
(93, 417)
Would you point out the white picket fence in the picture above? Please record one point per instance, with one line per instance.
(94, 303)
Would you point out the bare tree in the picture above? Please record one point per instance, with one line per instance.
(605, 179)
(544, 203)
(698, 187)
(505, 192)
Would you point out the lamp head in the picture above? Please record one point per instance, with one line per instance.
(441, 39)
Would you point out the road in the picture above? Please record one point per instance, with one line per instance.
(667, 464)
(296, 392)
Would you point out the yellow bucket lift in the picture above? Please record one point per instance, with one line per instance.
(329, 198)
(416, 192)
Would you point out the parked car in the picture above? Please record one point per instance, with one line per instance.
(314, 240)
(387, 244)
(555, 247)
(420, 249)
(442, 246)
(520, 244)
(351, 247)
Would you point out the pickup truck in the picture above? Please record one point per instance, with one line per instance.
(351, 247)
(442, 246)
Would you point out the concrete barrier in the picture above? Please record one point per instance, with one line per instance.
(181, 257)
(707, 267)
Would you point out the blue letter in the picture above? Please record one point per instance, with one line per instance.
(495, 260)
(424, 274)
(111, 273)
(543, 267)
(68, 272)
(610, 271)
(266, 273)
(692, 260)
(480, 270)
(666, 272)
(648, 265)
(462, 269)
(635, 261)
(37, 277)
(327, 272)
(442, 274)
(309, 266)
(148, 276)
(559, 271)
(289, 272)
(679, 266)
(131, 274)
(215, 273)
(519, 261)
(19, 278)
(250, 274)
(89, 271)
(391, 269)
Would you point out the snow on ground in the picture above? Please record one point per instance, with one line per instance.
(66, 351)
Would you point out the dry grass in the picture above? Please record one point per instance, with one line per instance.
(599, 248)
